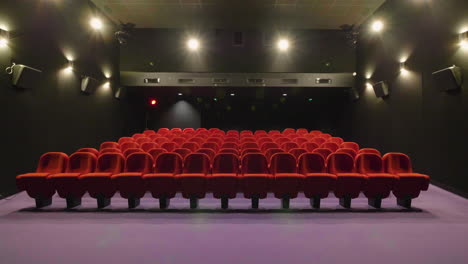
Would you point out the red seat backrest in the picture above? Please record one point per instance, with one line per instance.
(302, 131)
(53, 162)
(211, 145)
(109, 144)
(125, 139)
(182, 152)
(128, 145)
(155, 152)
(397, 163)
(190, 145)
(351, 145)
(369, 163)
(139, 162)
(250, 150)
(160, 140)
(249, 145)
(143, 140)
(254, 163)
(296, 152)
(300, 140)
(110, 163)
(110, 150)
(283, 163)
(348, 151)
(226, 163)
(336, 140)
(229, 150)
(322, 151)
(309, 146)
(311, 163)
(81, 162)
(272, 151)
(230, 145)
(149, 132)
(274, 132)
(268, 145)
(210, 152)
(179, 140)
(148, 145)
(340, 163)
(90, 150)
(370, 151)
(282, 140)
(169, 146)
(288, 146)
(287, 131)
(197, 163)
(331, 146)
(317, 140)
(168, 163)
(129, 151)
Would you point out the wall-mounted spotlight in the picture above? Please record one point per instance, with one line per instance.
(285, 94)
(403, 69)
(193, 44)
(232, 94)
(283, 45)
(180, 94)
(377, 26)
(464, 40)
(69, 68)
(354, 73)
(96, 23)
(106, 85)
(4, 38)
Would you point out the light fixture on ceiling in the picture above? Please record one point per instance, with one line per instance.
(285, 94)
(179, 94)
(377, 26)
(96, 23)
(233, 94)
(464, 40)
(69, 68)
(403, 69)
(193, 44)
(4, 38)
(354, 73)
(283, 45)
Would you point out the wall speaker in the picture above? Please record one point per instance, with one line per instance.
(89, 85)
(381, 89)
(448, 79)
(23, 76)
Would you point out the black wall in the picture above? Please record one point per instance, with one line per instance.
(55, 115)
(164, 50)
(418, 119)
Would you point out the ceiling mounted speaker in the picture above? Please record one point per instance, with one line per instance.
(89, 85)
(23, 76)
(381, 89)
(448, 79)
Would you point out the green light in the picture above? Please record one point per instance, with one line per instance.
(310, 99)
(215, 99)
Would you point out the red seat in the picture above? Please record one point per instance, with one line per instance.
(292, 136)
(182, 152)
(261, 141)
(130, 151)
(268, 145)
(287, 131)
(125, 140)
(379, 184)
(130, 183)
(369, 151)
(143, 140)
(67, 183)
(315, 132)
(36, 184)
(211, 153)
(347, 151)
(348, 183)
(231, 140)
(127, 145)
(351, 145)
(156, 152)
(188, 130)
(300, 140)
(319, 141)
(216, 140)
(246, 133)
(269, 153)
(260, 132)
(176, 130)
(169, 146)
(323, 151)
(211, 145)
(325, 136)
(302, 131)
(179, 140)
(197, 140)
(274, 132)
(230, 145)
(224, 180)
(255, 177)
(229, 150)
(317, 182)
(193, 177)
(250, 150)
(138, 135)
(109, 150)
(148, 145)
(286, 180)
(288, 146)
(148, 132)
(281, 140)
(109, 144)
(190, 145)
(233, 133)
(309, 146)
(244, 140)
(408, 184)
(162, 182)
(99, 184)
(89, 150)
(296, 152)
(336, 140)
(160, 140)
(331, 146)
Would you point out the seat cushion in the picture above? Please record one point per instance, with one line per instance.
(409, 185)
(379, 185)
(192, 185)
(223, 185)
(349, 185)
(318, 184)
(36, 185)
(129, 184)
(286, 185)
(255, 185)
(161, 185)
(68, 185)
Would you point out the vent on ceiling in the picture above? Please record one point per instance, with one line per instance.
(289, 81)
(152, 80)
(220, 80)
(185, 81)
(255, 81)
(323, 81)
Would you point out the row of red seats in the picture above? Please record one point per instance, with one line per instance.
(224, 175)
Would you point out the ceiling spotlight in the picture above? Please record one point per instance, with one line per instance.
(4, 38)
(3, 42)
(310, 99)
(354, 73)
(464, 40)
(285, 94)
(283, 44)
(233, 94)
(193, 44)
(403, 69)
(153, 102)
(96, 23)
(377, 26)
(179, 94)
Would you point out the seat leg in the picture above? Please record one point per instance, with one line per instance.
(375, 202)
(345, 202)
(315, 202)
(103, 202)
(133, 202)
(164, 202)
(255, 202)
(193, 203)
(285, 202)
(404, 202)
(224, 203)
(73, 202)
(43, 202)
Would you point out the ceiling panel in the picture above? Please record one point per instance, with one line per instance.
(303, 14)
